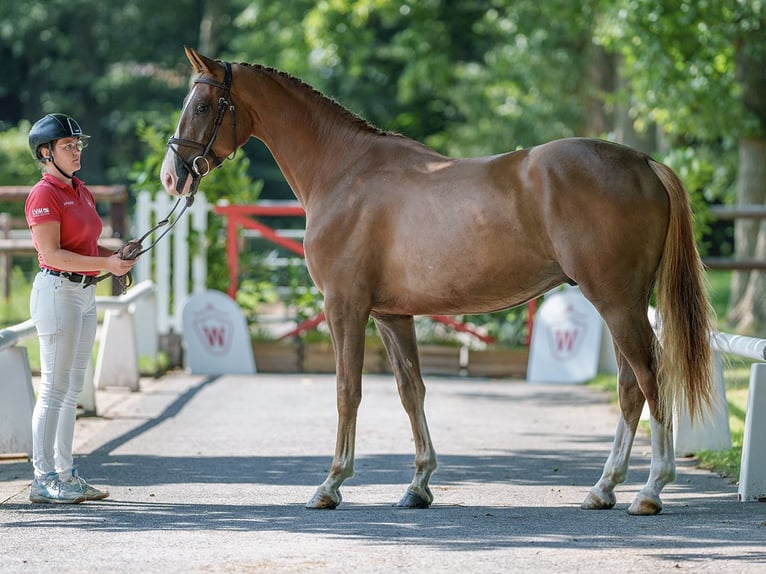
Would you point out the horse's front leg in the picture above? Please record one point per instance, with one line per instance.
(347, 332)
(398, 335)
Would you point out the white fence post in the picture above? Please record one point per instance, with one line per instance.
(17, 395)
(17, 401)
(752, 473)
(117, 361)
(710, 433)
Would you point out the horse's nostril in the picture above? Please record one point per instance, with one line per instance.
(167, 181)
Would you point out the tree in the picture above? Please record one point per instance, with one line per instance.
(696, 69)
(109, 69)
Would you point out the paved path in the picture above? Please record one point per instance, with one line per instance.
(211, 475)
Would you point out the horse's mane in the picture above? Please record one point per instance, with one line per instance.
(301, 85)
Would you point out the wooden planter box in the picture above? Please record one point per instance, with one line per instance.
(439, 359)
(320, 358)
(276, 357)
(317, 358)
(280, 357)
(498, 363)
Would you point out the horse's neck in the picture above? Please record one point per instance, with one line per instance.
(311, 138)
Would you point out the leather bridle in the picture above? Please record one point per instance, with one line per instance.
(199, 166)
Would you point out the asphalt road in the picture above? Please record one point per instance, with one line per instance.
(212, 474)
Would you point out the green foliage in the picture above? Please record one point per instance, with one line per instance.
(709, 174)
(719, 291)
(508, 328)
(17, 165)
(15, 309)
(684, 62)
(680, 58)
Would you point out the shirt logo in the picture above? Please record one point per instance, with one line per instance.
(69, 202)
(38, 211)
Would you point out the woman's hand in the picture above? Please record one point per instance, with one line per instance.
(118, 266)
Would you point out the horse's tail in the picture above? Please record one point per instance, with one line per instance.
(684, 369)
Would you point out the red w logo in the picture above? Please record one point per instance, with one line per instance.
(566, 339)
(215, 335)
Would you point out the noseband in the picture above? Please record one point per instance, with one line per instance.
(199, 166)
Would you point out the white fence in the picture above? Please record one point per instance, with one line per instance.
(127, 321)
(752, 471)
(175, 271)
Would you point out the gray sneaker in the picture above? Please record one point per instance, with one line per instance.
(49, 489)
(81, 485)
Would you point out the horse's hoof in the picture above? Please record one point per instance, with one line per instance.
(598, 500)
(413, 500)
(323, 501)
(645, 505)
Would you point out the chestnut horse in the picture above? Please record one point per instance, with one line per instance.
(394, 229)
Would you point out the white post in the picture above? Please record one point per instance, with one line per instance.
(117, 362)
(199, 263)
(87, 399)
(180, 276)
(161, 256)
(710, 433)
(144, 311)
(142, 271)
(752, 473)
(17, 401)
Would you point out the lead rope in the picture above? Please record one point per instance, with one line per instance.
(135, 248)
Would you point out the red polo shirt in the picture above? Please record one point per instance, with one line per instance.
(75, 211)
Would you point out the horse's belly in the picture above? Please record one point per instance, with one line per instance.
(465, 285)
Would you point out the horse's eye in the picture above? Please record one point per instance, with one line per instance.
(200, 109)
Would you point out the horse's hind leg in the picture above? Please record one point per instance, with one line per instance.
(398, 335)
(634, 339)
(601, 496)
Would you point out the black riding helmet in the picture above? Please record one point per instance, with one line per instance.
(51, 128)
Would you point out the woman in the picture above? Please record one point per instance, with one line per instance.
(61, 214)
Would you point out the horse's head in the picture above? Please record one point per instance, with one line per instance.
(207, 129)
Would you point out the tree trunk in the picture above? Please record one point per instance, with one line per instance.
(747, 306)
(602, 71)
(624, 125)
(208, 28)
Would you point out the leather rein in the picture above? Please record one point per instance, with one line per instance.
(197, 168)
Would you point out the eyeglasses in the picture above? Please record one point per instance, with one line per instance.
(70, 147)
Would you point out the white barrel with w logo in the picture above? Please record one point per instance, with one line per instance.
(215, 336)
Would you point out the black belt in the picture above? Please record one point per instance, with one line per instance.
(84, 280)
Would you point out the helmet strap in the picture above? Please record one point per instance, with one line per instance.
(53, 161)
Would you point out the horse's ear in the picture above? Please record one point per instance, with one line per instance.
(200, 63)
